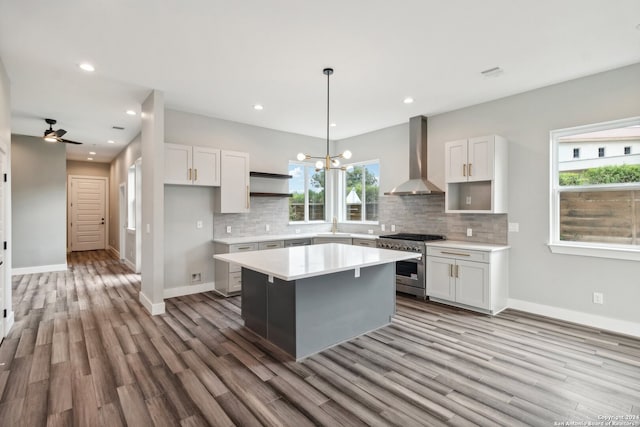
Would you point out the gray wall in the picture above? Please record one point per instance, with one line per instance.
(536, 275)
(76, 167)
(39, 194)
(119, 168)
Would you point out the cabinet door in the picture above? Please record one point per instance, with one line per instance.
(440, 283)
(455, 155)
(206, 166)
(480, 159)
(472, 284)
(178, 161)
(371, 243)
(233, 195)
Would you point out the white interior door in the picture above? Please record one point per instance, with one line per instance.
(3, 262)
(88, 213)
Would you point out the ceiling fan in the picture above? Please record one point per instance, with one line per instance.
(51, 135)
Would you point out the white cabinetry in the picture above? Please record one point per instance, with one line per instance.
(191, 165)
(329, 239)
(476, 175)
(476, 279)
(233, 194)
(229, 275)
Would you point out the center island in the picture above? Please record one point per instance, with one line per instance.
(306, 299)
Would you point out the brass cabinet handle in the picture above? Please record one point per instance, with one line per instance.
(244, 248)
(457, 271)
(247, 197)
(450, 270)
(464, 169)
(454, 253)
(469, 169)
(189, 175)
(195, 172)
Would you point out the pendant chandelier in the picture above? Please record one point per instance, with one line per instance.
(328, 161)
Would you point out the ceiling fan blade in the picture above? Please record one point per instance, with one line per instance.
(60, 133)
(69, 142)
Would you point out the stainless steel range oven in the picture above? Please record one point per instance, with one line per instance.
(410, 274)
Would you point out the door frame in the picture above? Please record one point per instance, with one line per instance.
(70, 178)
(122, 224)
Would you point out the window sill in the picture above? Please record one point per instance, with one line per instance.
(307, 222)
(360, 222)
(131, 230)
(597, 251)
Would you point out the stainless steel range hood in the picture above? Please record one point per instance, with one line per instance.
(418, 183)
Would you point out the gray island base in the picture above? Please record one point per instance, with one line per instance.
(308, 315)
(306, 299)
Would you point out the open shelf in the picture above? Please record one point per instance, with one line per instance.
(269, 175)
(256, 194)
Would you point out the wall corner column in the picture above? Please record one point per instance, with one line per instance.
(152, 289)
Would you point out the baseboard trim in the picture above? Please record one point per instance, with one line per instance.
(38, 269)
(601, 322)
(129, 264)
(188, 290)
(114, 251)
(153, 309)
(8, 323)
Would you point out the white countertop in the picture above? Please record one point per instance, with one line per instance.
(487, 247)
(315, 260)
(271, 237)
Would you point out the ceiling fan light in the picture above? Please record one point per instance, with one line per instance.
(50, 139)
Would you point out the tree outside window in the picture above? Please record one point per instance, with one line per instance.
(361, 190)
(307, 187)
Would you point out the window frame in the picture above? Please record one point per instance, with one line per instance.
(327, 192)
(343, 191)
(600, 250)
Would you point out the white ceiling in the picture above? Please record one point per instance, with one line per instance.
(218, 58)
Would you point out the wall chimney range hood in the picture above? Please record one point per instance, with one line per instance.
(418, 183)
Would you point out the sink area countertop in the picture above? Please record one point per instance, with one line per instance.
(270, 237)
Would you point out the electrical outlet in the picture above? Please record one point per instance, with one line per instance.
(469, 232)
(598, 298)
(196, 277)
(514, 227)
(382, 227)
(148, 228)
(468, 200)
(198, 224)
(297, 231)
(267, 227)
(228, 229)
(393, 227)
(370, 231)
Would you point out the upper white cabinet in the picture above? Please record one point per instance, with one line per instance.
(233, 194)
(476, 175)
(191, 165)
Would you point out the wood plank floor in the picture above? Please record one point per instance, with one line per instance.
(83, 352)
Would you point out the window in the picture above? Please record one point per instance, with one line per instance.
(596, 201)
(308, 188)
(576, 153)
(627, 150)
(131, 198)
(361, 191)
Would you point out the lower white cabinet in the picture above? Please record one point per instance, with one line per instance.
(476, 279)
(229, 275)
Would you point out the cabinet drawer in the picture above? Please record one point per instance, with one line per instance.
(235, 281)
(271, 245)
(296, 242)
(455, 253)
(371, 243)
(243, 247)
(343, 240)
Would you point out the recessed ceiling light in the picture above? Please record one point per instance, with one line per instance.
(638, 27)
(85, 66)
(408, 100)
(258, 107)
(492, 72)
(111, 141)
(92, 152)
(89, 158)
(333, 125)
(131, 112)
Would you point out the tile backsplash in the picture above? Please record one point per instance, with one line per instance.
(410, 214)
